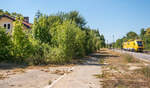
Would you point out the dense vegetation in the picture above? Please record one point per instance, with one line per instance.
(144, 35)
(56, 39)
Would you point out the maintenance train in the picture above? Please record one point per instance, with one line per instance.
(134, 45)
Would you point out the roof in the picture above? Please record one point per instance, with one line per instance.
(28, 25)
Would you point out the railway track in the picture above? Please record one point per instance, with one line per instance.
(140, 55)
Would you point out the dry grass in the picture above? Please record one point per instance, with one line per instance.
(130, 58)
(101, 61)
(59, 72)
(117, 74)
(19, 70)
(2, 76)
(144, 71)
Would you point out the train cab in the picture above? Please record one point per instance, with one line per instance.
(133, 45)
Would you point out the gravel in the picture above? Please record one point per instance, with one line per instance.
(138, 55)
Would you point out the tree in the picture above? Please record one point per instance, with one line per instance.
(148, 31)
(14, 14)
(7, 13)
(74, 16)
(5, 45)
(132, 35)
(22, 47)
(142, 33)
(38, 14)
(102, 39)
(118, 43)
(41, 30)
(146, 38)
(69, 40)
(77, 18)
(56, 38)
(1, 11)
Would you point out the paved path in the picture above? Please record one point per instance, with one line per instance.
(82, 76)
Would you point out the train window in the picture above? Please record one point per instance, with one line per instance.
(139, 43)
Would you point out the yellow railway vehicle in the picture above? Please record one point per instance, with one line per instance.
(133, 45)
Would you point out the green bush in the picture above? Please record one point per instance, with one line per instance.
(58, 56)
(53, 39)
(5, 45)
(22, 47)
(40, 54)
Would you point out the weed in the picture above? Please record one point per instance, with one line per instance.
(59, 72)
(129, 58)
(113, 67)
(104, 74)
(145, 71)
(2, 76)
(49, 82)
(101, 61)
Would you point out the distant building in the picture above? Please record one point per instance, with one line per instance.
(7, 22)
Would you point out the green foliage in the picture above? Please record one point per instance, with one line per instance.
(94, 41)
(22, 47)
(56, 39)
(41, 30)
(13, 14)
(145, 36)
(102, 41)
(132, 35)
(73, 16)
(142, 33)
(40, 54)
(70, 38)
(5, 45)
(118, 43)
(66, 38)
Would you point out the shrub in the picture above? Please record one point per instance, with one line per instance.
(129, 58)
(53, 39)
(22, 47)
(40, 54)
(5, 45)
(58, 56)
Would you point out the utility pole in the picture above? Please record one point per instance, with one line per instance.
(113, 42)
(107, 44)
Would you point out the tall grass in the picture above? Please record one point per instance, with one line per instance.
(129, 58)
(145, 71)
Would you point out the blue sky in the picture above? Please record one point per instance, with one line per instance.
(111, 17)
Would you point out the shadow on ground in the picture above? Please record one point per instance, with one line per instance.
(93, 59)
(8, 66)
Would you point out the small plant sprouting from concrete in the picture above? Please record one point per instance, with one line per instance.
(49, 82)
(2, 76)
(101, 61)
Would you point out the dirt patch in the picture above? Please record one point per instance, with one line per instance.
(124, 71)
